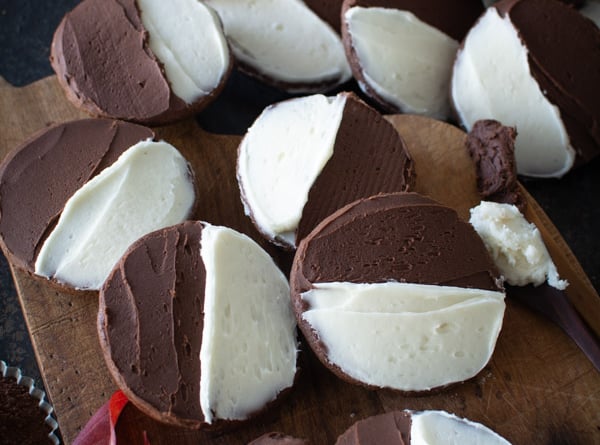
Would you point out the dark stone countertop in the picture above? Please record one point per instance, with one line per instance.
(26, 29)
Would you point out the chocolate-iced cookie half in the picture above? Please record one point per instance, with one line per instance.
(146, 61)
(396, 291)
(491, 145)
(419, 427)
(196, 326)
(304, 158)
(514, 66)
(73, 197)
(401, 51)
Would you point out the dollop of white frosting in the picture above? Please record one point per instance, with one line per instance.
(515, 245)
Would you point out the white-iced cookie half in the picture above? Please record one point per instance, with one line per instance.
(149, 187)
(409, 337)
(208, 313)
(513, 67)
(285, 43)
(515, 245)
(401, 53)
(304, 158)
(187, 38)
(403, 60)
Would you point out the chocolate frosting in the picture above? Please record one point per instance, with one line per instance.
(402, 237)
(38, 178)
(454, 18)
(566, 69)
(150, 323)
(369, 157)
(101, 57)
(491, 145)
(391, 428)
(276, 438)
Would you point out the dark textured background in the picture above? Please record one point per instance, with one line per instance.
(26, 29)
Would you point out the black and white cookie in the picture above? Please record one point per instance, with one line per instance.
(76, 195)
(395, 291)
(304, 158)
(196, 326)
(147, 61)
(517, 67)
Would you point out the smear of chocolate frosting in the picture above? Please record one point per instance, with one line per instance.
(369, 157)
(151, 320)
(564, 58)
(391, 428)
(402, 237)
(101, 56)
(38, 178)
(491, 145)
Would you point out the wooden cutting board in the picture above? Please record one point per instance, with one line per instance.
(539, 388)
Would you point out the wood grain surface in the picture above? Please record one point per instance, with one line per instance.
(538, 388)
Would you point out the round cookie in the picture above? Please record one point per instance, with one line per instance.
(146, 61)
(196, 326)
(304, 158)
(401, 51)
(74, 196)
(396, 291)
(516, 54)
(270, 41)
(419, 427)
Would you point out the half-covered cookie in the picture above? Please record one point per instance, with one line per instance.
(304, 158)
(76, 195)
(408, 427)
(401, 51)
(284, 43)
(147, 61)
(396, 291)
(516, 66)
(196, 326)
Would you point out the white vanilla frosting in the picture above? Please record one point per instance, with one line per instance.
(188, 39)
(442, 428)
(515, 245)
(491, 74)
(149, 187)
(410, 337)
(248, 352)
(407, 62)
(281, 156)
(283, 40)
